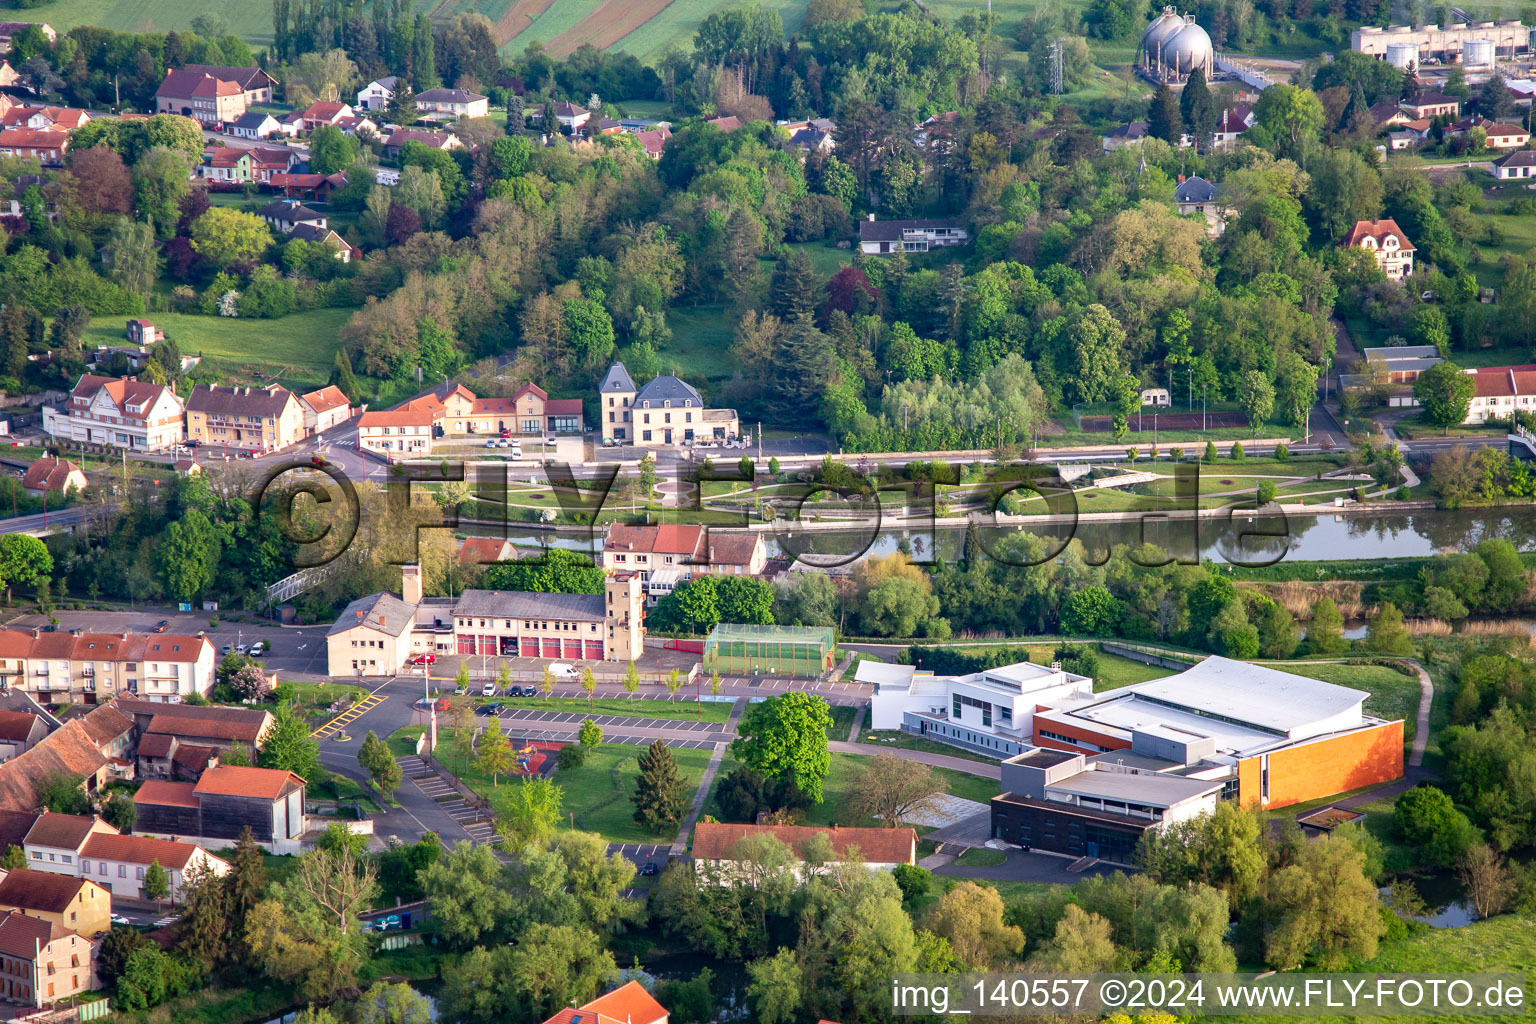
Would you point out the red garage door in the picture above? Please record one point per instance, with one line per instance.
(466, 645)
(594, 650)
(570, 649)
(487, 645)
(549, 648)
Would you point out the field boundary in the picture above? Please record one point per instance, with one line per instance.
(605, 26)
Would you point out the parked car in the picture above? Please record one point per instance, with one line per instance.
(443, 704)
(258, 649)
(488, 690)
(648, 868)
(551, 440)
(609, 442)
(505, 432)
(226, 648)
(460, 690)
(119, 919)
(161, 626)
(422, 659)
(520, 691)
(243, 649)
(488, 709)
(490, 444)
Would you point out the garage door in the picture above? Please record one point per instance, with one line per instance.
(487, 645)
(466, 645)
(570, 649)
(594, 650)
(549, 648)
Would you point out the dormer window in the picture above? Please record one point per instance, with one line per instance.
(1390, 243)
(667, 404)
(1369, 243)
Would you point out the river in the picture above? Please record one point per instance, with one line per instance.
(1261, 541)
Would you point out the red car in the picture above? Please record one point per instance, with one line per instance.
(423, 659)
(505, 432)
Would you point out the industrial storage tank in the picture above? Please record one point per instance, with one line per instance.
(1477, 53)
(1403, 55)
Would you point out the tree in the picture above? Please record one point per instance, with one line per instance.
(777, 988)
(1256, 394)
(420, 190)
(132, 257)
(660, 794)
(785, 737)
(894, 790)
(970, 916)
(794, 288)
(330, 150)
(1163, 118)
(375, 757)
(1494, 99)
(156, 884)
(289, 747)
(1091, 611)
(1386, 634)
(1197, 108)
(1082, 944)
(1323, 907)
(1431, 825)
(245, 882)
(590, 735)
(160, 183)
(588, 684)
(467, 891)
(120, 812)
(102, 182)
(304, 933)
(1325, 633)
(24, 561)
(558, 965)
(204, 916)
(1444, 392)
(493, 754)
(631, 678)
(62, 793)
(1485, 878)
(1290, 114)
(401, 109)
(397, 1003)
(225, 237)
(1345, 189)
(15, 857)
(533, 811)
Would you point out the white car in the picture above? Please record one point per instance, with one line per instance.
(560, 670)
(517, 450)
(488, 690)
(490, 444)
(551, 440)
(242, 649)
(120, 919)
(258, 649)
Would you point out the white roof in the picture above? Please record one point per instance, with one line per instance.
(1251, 694)
(667, 577)
(882, 675)
(1138, 788)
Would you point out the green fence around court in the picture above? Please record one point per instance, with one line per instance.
(734, 649)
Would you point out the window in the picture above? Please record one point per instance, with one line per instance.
(122, 871)
(139, 873)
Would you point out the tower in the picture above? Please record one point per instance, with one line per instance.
(624, 614)
(410, 583)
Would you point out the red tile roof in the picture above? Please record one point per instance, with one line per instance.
(713, 840)
(167, 794)
(182, 84)
(324, 400)
(21, 935)
(628, 1004)
(530, 389)
(138, 850)
(1379, 230)
(1504, 381)
(481, 550)
(105, 723)
(69, 749)
(667, 539)
(41, 891)
(16, 726)
(63, 830)
(239, 780)
(563, 407)
(324, 110)
(49, 474)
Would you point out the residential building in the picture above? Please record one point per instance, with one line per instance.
(118, 863)
(1270, 737)
(1386, 241)
(227, 799)
(215, 727)
(325, 112)
(1196, 195)
(695, 550)
(323, 409)
(571, 116)
(11, 29)
(399, 433)
(1519, 164)
(1431, 104)
(811, 139)
(123, 412)
(51, 474)
(666, 411)
(726, 124)
(269, 161)
(454, 102)
(654, 141)
(20, 732)
(1444, 42)
(74, 903)
(879, 849)
(287, 214)
(8, 75)
(375, 635)
(615, 396)
(1231, 123)
(991, 712)
(1498, 391)
(1400, 364)
(1067, 803)
(628, 1004)
(255, 125)
(358, 124)
(42, 963)
(472, 551)
(432, 140)
(263, 419)
(1133, 134)
(1388, 115)
(54, 841)
(882, 237)
(300, 186)
(201, 96)
(1496, 135)
(68, 750)
(377, 94)
(226, 164)
(92, 668)
(62, 118)
(411, 428)
(324, 236)
(45, 145)
(1403, 140)
(143, 332)
(256, 84)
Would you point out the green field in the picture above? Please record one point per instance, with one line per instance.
(297, 349)
(701, 344)
(1393, 695)
(598, 792)
(713, 711)
(250, 21)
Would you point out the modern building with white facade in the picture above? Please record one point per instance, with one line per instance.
(883, 237)
(124, 412)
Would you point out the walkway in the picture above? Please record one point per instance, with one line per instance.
(700, 795)
(348, 716)
(448, 794)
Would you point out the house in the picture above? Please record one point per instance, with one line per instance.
(570, 115)
(20, 732)
(286, 214)
(600, 125)
(697, 550)
(124, 412)
(1431, 104)
(727, 124)
(68, 750)
(628, 1004)
(1495, 134)
(808, 140)
(254, 125)
(476, 551)
(1387, 115)
(45, 145)
(356, 124)
(399, 432)
(11, 29)
(1519, 164)
(268, 161)
(265, 419)
(1498, 391)
(432, 140)
(654, 141)
(73, 903)
(1386, 241)
(225, 163)
(118, 863)
(374, 635)
(879, 849)
(1074, 805)
(92, 668)
(325, 112)
(1398, 141)
(254, 82)
(666, 411)
(1230, 125)
(1196, 195)
(883, 237)
(1269, 737)
(456, 102)
(411, 428)
(324, 409)
(143, 332)
(227, 799)
(8, 75)
(1133, 134)
(54, 841)
(206, 98)
(1400, 364)
(299, 186)
(164, 756)
(62, 118)
(313, 235)
(214, 727)
(42, 962)
(51, 474)
(615, 395)
(377, 94)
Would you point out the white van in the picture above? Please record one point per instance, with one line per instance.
(560, 670)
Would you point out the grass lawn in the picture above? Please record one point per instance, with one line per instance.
(315, 699)
(838, 788)
(598, 792)
(638, 708)
(981, 857)
(299, 348)
(1414, 428)
(1392, 694)
(842, 720)
(906, 741)
(701, 343)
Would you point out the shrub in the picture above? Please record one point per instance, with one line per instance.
(572, 755)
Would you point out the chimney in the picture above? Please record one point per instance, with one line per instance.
(871, 218)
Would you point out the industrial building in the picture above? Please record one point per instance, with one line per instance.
(1173, 46)
(1475, 44)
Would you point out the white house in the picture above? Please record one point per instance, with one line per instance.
(1386, 241)
(377, 94)
(54, 841)
(118, 862)
(124, 412)
(882, 237)
(254, 125)
(1519, 164)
